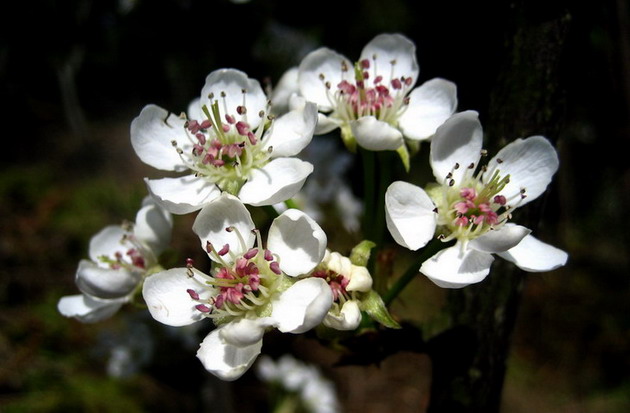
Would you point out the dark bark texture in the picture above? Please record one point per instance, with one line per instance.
(469, 359)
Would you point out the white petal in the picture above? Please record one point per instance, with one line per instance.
(286, 87)
(533, 255)
(324, 63)
(500, 240)
(450, 268)
(409, 215)
(298, 240)
(384, 49)
(153, 227)
(182, 195)
(275, 182)
(108, 242)
(87, 310)
(530, 163)
(104, 282)
(429, 106)
(226, 361)
(167, 299)
(360, 279)
(376, 135)
(290, 133)
(224, 212)
(303, 306)
(245, 332)
(348, 318)
(326, 124)
(194, 111)
(232, 82)
(457, 141)
(152, 134)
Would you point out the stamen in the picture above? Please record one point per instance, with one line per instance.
(275, 267)
(251, 253)
(203, 308)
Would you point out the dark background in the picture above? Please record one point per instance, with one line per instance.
(73, 74)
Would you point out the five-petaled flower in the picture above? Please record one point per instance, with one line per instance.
(120, 259)
(251, 287)
(228, 143)
(473, 204)
(372, 100)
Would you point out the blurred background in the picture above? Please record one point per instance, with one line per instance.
(74, 73)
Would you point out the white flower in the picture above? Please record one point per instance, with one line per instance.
(250, 288)
(372, 100)
(474, 209)
(344, 279)
(227, 144)
(120, 258)
(316, 393)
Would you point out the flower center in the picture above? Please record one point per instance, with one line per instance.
(225, 150)
(337, 283)
(239, 283)
(472, 207)
(368, 95)
(133, 256)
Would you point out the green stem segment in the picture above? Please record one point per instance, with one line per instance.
(432, 248)
(270, 211)
(369, 197)
(291, 204)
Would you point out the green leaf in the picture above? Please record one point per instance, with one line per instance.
(373, 304)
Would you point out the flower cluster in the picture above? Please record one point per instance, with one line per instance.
(238, 151)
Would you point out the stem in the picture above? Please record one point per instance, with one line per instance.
(270, 211)
(369, 177)
(291, 204)
(384, 179)
(432, 247)
(378, 223)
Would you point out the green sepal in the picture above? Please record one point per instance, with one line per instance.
(434, 190)
(373, 304)
(348, 138)
(360, 254)
(404, 156)
(413, 146)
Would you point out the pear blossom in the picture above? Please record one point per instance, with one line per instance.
(295, 378)
(120, 259)
(345, 280)
(228, 142)
(251, 287)
(473, 205)
(373, 101)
